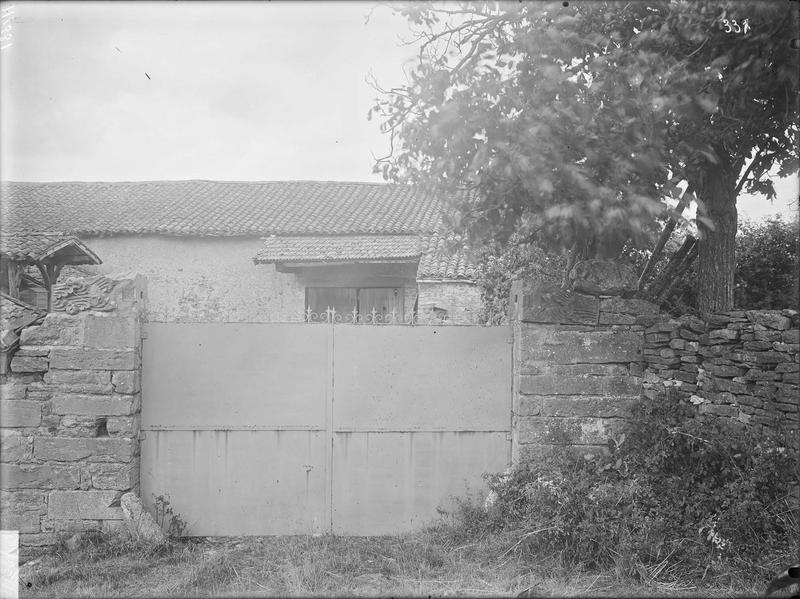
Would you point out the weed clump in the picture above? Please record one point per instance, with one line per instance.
(680, 497)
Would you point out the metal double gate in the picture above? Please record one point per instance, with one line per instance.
(268, 429)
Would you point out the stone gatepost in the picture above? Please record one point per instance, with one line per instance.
(71, 412)
(577, 360)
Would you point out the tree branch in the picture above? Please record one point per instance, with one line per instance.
(664, 237)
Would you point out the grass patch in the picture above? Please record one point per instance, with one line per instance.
(436, 562)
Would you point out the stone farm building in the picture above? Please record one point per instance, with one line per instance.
(259, 251)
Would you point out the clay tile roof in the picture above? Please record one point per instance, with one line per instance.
(224, 208)
(351, 248)
(46, 247)
(442, 261)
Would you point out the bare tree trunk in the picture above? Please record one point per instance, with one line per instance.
(717, 256)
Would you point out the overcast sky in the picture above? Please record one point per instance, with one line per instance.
(102, 91)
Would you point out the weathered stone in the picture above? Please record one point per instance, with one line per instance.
(41, 539)
(139, 522)
(769, 319)
(32, 352)
(56, 329)
(550, 304)
(725, 371)
(109, 331)
(67, 449)
(769, 357)
(40, 476)
(127, 381)
(123, 426)
(95, 405)
(94, 359)
(791, 336)
(121, 477)
(598, 407)
(78, 426)
(20, 522)
(63, 526)
(529, 405)
(580, 385)
(614, 318)
(23, 502)
(14, 448)
(20, 413)
(83, 505)
(787, 367)
(13, 391)
(786, 347)
(588, 369)
(567, 431)
(757, 345)
(756, 374)
(723, 334)
(620, 305)
(38, 391)
(575, 347)
(603, 277)
(28, 364)
(718, 410)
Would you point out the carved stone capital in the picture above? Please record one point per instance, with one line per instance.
(76, 294)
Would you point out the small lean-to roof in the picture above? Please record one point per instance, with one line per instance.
(55, 248)
(440, 260)
(219, 208)
(344, 248)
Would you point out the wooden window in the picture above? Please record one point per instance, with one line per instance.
(364, 299)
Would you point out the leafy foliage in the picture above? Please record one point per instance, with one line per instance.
(679, 495)
(171, 523)
(767, 264)
(571, 123)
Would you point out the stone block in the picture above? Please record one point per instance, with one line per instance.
(15, 448)
(121, 477)
(603, 277)
(529, 405)
(556, 345)
(94, 405)
(770, 319)
(615, 318)
(621, 305)
(77, 426)
(33, 352)
(56, 329)
(123, 426)
(68, 449)
(770, 357)
(94, 359)
(791, 336)
(786, 347)
(110, 331)
(83, 505)
(28, 364)
(787, 367)
(140, 523)
(40, 476)
(723, 335)
(757, 345)
(20, 522)
(127, 381)
(567, 431)
(41, 539)
(23, 502)
(67, 526)
(39, 391)
(560, 384)
(13, 391)
(20, 413)
(599, 407)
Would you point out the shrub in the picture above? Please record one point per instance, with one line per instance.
(767, 264)
(678, 496)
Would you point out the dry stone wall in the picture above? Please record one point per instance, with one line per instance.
(738, 365)
(70, 412)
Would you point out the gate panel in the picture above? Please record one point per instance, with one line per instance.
(234, 423)
(239, 482)
(422, 378)
(387, 483)
(419, 414)
(235, 375)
